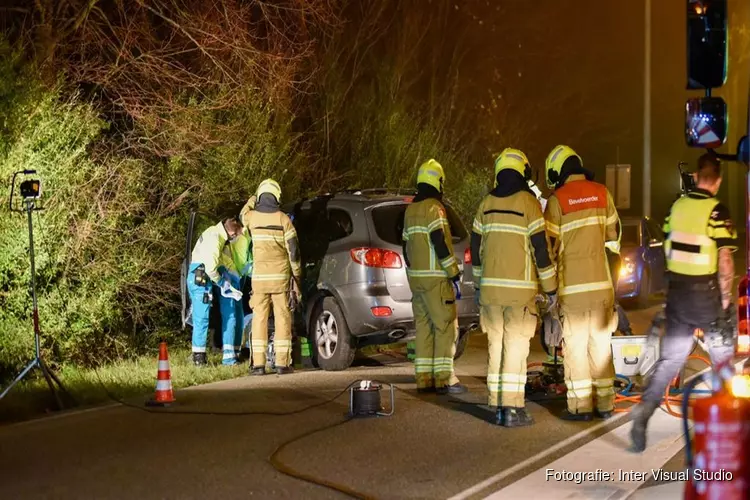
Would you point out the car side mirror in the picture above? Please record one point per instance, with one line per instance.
(706, 43)
(705, 122)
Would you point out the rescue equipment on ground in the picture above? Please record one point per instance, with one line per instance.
(365, 401)
(164, 395)
(717, 457)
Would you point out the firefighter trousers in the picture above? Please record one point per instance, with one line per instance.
(587, 358)
(437, 331)
(509, 331)
(261, 304)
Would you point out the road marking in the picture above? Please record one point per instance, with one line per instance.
(607, 454)
(663, 423)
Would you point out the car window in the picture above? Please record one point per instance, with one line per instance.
(389, 223)
(630, 235)
(339, 224)
(654, 230)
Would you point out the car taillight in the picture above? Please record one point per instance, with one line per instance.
(381, 311)
(376, 257)
(467, 256)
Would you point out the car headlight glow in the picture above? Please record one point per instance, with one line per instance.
(627, 268)
(740, 386)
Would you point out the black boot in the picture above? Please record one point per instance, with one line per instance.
(452, 389)
(284, 370)
(513, 417)
(257, 370)
(199, 359)
(425, 390)
(604, 415)
(641, 414)
(577, 417)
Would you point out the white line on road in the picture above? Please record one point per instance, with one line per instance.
(577, 457)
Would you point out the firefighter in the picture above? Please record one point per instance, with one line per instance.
(276, 274)
(700, 240)
(211, 261)
(581, 218)
(510, 260)
(433, 275)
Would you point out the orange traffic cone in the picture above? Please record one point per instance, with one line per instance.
(164, 395)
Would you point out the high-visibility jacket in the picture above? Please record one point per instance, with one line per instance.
(241, 261)
(212, 250)
(581, 217)
(428, 245)
(510, 250)
(276, 256)
(696, 228)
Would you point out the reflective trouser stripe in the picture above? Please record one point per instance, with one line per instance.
(262, 304)
(586, 287)
(509, 331)
(437, 330)
(587, 358)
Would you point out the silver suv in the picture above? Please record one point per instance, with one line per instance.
(354, 287)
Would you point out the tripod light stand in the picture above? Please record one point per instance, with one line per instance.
(30, 192)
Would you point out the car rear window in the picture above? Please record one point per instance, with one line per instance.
(630, 235)
(389, 223)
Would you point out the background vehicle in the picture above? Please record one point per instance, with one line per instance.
(641, 273)
(354, 288)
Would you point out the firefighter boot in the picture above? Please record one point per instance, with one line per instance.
(577, 417)
(641, 413)
(199, 359)
(284, 370)
(452, 389)
(604, 415)
(513, 417)
(257, 370)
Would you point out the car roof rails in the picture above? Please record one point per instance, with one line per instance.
(396, 192)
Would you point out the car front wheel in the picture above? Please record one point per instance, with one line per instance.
(334, 347)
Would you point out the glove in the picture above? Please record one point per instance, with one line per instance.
(456, 287)
(228, 291)
(294, 294)
(477, 300)
(551, 300)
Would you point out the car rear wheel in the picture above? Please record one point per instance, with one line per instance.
(463, 340)
(333, 345)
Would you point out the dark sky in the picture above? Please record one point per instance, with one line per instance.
(536, 74)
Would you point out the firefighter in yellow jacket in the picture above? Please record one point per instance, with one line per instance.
(581, 219)
(434, 277)
(276, 273)
(510, 260)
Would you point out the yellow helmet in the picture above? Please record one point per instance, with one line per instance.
(431, 172)
(514, 159)
(554, 164)
(269, 186)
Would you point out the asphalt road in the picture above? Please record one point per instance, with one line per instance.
(432, 447)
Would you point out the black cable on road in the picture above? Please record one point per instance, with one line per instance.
(273, 459)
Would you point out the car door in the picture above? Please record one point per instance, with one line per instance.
(653, 243)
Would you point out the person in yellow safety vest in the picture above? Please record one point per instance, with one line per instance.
(581, 218)
(210, 259)
(276, 263)
(700, 240)
(433, 274)
(510, 258)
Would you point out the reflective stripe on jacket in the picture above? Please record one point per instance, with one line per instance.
(275, 251)
(510, 250)
(424, 220)
(696, 227)
(581, 217)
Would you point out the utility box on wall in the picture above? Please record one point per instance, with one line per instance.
(618, 184)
